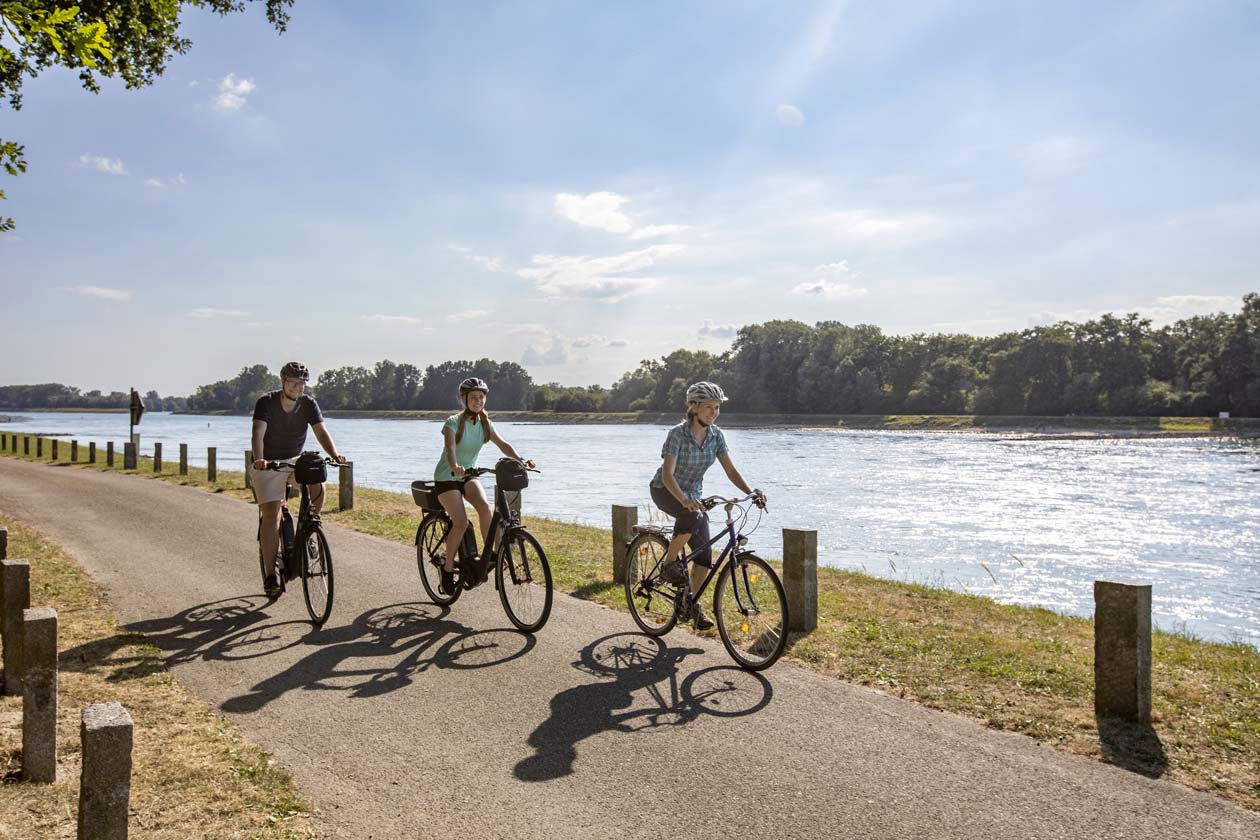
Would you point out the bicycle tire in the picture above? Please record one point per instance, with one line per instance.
(317, 575)
(755, 640)
(654, 605)
(430, 554)
(516, 577)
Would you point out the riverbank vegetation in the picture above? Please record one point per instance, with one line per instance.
(1021, 669)
(193, 774)
(1109, 366)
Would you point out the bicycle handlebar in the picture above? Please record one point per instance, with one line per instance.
(710, 502)
(284, 465)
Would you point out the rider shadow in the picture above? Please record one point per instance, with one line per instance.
(379, 652)
(642, 666)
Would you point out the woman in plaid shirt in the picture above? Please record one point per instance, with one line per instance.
(690, 449)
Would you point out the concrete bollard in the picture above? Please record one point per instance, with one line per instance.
(800, 578)
(1122, 651)
(92, 452)
(345, 487)
(249, 462)
(109, 454)
(105, 732)
(212, 469)
(157, 457)
(4, 543)
(129, 456)
(183, 459)
(15, 589)
(39, 695)
(624, 518)
(56, 453)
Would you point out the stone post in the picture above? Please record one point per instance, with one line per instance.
(183, 459)
(4, 543)
(39, 447)
(74, 451)
(39, 695)
(1122, 651)
(109, 454)
(92, 452)
(15, 589)
(212, 469)
(129, 456)
(55, 449)
(157, 457)
(345, 487)
(249, 460)
(105, 781)
(26, 445)
(800, 578)
(624, 518)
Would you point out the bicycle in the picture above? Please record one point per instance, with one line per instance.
(522, 575)
(305, 553)
(749, 603)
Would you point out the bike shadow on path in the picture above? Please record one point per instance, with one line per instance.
(380, 651)
(637, 674)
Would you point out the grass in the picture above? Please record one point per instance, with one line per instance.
(193, 775)
(1014, 668)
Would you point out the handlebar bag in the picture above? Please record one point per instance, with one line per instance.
(510, 475)
(310, 469)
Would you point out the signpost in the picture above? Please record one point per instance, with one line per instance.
(137, 411)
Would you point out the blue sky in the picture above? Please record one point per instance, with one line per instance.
(579, 186)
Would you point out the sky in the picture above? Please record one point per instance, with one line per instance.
(578, 187)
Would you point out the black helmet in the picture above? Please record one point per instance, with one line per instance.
(295, 370)
(472, 383)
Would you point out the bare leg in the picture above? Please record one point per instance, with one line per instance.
(317, 498)
(477, 497)
(270, 536)
(452, 502)
(675, 546)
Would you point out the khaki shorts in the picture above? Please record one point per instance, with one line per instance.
(269, 484)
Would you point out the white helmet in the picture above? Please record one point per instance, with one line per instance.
(702, 391)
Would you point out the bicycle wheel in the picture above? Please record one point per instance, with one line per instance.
(317, 575)
(430, 555)
(751, 610)
(523, 578)
(654, 604)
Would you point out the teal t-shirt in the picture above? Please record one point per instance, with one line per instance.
(466, 450)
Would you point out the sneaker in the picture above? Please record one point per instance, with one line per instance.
(699, 619)
(675, 573)
(272, 587)
(448, 582)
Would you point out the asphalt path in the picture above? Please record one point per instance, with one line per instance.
(403, 719)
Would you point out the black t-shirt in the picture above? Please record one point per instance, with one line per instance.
(286, 431)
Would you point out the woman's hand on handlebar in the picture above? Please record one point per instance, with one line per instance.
(760, 499)
(457, 471)
(260, 463)
(694, 505)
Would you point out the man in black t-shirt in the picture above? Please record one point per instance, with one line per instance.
(280, 422)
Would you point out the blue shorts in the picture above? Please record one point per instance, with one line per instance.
(686, 522)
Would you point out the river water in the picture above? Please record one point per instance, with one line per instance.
(1017, 520)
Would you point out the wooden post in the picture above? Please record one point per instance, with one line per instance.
(183, 459)
(109, 454)
(157, 457)
(345, 487)
(74, 451)
(4, 441)
(624, 518)
(800, 578)
(92, 452)
(105, 732)
(39, 447)
(55, 449)
(1122, 651)
(249, 462)
(212, 469)
(26, 444)
(39, 695)
(129, 456)
(4, 544)
(15, 589)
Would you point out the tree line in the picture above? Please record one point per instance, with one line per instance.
(1106, 366)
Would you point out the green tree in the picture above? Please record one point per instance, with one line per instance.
(129, 39)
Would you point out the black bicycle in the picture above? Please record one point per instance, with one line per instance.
(749, 603)
(303, 552)
(521, 572)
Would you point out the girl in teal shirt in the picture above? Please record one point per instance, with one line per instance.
(464, 434)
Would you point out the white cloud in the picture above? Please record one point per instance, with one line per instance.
(488, 263)
(551, 352)
(598, 210)
(1173, 308)
(211, 312)
(154, 182)
(867, 223)
(618, 342)
(466, 315)
(110, 166)
(102, 292)
(232, 93)
(584, 341)
(724, 331)
(826, 287)
(180, 179)
(789, 115)
(391, 320)
(601, 278)
(651, 231)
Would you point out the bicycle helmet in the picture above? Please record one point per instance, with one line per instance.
(472, 383)
(703, 391)
(295, 370)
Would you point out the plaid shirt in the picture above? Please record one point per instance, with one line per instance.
(692, 459)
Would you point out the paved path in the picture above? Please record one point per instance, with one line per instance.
(401, 719)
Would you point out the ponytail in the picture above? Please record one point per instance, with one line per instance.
(467, 415)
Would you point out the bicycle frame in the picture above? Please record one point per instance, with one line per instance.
(734, 542)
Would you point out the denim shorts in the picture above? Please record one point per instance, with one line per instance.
(686, 522)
